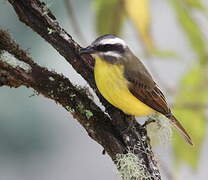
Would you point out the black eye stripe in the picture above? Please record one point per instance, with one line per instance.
(110, 47)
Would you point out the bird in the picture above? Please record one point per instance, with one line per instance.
(124, 81)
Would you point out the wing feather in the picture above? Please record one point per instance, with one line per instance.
(143, 87)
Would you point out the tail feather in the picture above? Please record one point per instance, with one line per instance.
(180, 129)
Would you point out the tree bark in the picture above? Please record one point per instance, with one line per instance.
(112, 131)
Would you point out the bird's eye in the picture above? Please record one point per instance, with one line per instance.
(110, 47)
(98, 48)
(104, 48)
(107, 47)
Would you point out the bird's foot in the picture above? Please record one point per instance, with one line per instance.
(147, 122)
(131, 125)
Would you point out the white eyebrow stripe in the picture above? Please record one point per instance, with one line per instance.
(113, 41)
(110, 53)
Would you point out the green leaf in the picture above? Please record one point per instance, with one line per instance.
(139, 13)
(191, 28)
(165, 54)
(189, 110)
(109, 16)
(197, 4)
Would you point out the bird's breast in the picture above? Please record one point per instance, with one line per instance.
(113, 86)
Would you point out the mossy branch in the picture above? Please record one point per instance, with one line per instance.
(18, 69)
(106, 130)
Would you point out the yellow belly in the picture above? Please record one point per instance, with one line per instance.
(114, 88)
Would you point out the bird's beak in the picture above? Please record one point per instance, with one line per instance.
(87, 50)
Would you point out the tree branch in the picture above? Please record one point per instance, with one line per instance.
(18, 69)
(108, 131)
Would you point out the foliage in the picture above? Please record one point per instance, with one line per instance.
(191, 28)
(139, 13)
(107, 13)
(112, 12)
(194, 94)
(196, 4)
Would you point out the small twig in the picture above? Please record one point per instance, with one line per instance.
(148, 122)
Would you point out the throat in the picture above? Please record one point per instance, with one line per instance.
(110, 57)
(109, 74)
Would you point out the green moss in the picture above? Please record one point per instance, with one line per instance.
(50, 31)
(80, 107)
(70, 109)
(84, 111)
(72, 95)
(88, 114)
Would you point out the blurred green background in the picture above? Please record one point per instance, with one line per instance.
(38, 138)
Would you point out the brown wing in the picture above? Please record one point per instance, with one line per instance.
(152, 97)
(143, 87)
